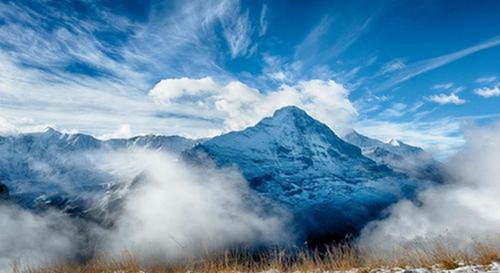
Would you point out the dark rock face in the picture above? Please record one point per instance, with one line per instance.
(4, 192)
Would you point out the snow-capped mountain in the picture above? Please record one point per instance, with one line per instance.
(332, 188)
(172, 144)
(399, 156)
(56, 169)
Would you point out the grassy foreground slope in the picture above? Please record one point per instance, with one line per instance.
(436, 256)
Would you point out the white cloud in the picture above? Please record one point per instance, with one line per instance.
(486, 79)
(396, 110)
(35, 83)
(415, 69)
(238, 31)
(182, 211)
(263, 20)
(20, 125)
(93, 105)
(446, 99)
(278, 76)
(158, 49)
(170, 89)
(458, 89)
(276, 68)
(171, 210)
(35, 239)
(442, 86)
(488, 92)
(462, 211)
(124, 131)
(309, 47)
(392, 66)
(313, 50)
(238, 105)
(55, 49)
(440, 137)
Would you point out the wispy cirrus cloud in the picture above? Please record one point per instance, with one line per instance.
(396, 110)
(310, 45)
(56, 66)
(238, 31)
(313, 47)
(486, 79)
(92, 71)
(392, 66)
(312, 56)
(32, 41)
(187, 40)
(442, 86)
(263, 23)
(414, 69)
(101, 43)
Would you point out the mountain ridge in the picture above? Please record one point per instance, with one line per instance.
(300, 162)
(332, 187)
(398, 155)
(47, 168)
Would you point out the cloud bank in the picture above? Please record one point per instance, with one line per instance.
(464, 210)
(34, 239)
(236, 105)
(178, 210)
(169, 211)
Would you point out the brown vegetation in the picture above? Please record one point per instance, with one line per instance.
(345, 256)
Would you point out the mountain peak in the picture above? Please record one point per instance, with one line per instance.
(292, 117)
(394, 142)
(300, 162)
(287, 114)
(360, 140)
(289, 110)
(291, 139)
(50, 132)
(351, 133)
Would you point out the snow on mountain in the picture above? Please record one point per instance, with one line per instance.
(172, 144)
(299, 162)
(56, 169)
(394, 142)
(400, 156)
(332, 187)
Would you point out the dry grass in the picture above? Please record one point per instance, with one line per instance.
(344, 256)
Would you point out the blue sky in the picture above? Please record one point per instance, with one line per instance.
(415, 70)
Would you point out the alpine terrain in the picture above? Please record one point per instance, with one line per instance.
(331, 187)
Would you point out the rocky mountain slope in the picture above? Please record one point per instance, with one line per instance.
(399, 156)
(56, 169)
(332, 188)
